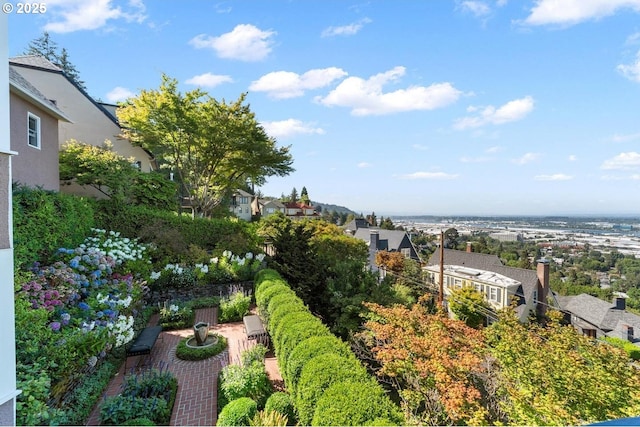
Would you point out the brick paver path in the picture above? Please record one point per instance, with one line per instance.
(197, 380)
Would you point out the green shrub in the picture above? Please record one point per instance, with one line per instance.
(82, 398)
(632, 350)
(58, 220)
(234, 308)
(246, 381)
(296, 333)
(139, 422)
(150, 383)
(307, 350)
(253, 354)
(355, 404)
(283, 298)
(281, 403)
(286, 322)
(204, 302)
(238, 412)
(288, 307)
(116, 410)
(189, 353)
(174, 316)
(268, 418)
(150, 394)
(318, 375)
(266, 275)
(264, 296)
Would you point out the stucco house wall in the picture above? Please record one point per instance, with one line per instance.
(34, 166)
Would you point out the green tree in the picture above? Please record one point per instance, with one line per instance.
(114, 176)
(214, 147)
(373, 221)
(293, 197)
(451, 238)
(552, 375)
(46, 47)
(469, 306)
(386, 223)
(304, 196)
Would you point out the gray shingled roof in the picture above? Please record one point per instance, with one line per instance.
(35, 61)
(21, 84)
(487, 262)
(388, 239)
(600, 313)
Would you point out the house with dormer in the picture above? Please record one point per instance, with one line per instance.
(240, 204)
(501, 285)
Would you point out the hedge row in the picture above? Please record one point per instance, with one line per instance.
(327, 383)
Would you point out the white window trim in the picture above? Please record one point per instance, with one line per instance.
(38, 131)
(493, 294)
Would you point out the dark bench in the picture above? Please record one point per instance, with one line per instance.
(145, 341)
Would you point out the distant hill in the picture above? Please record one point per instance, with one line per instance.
(329, 207)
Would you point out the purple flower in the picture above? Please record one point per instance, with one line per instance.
(83, 306)
(55, 326)
(26, 287)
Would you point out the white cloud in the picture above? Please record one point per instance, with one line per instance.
(286, 84)
(625, 138)
(526, 158)
(554, 177)
(118, 94)
(209, 80)
(477, 8)
(572, 12)
(345, 30)
(290, 127)
(363, 165)
(633, 39)
(631, 71)
(429, 175)
(494, 149)
(365, 97)
(245, 43)
(509, 112)
(572, 158)
(630, 160)
(76, 15)
(420, 147)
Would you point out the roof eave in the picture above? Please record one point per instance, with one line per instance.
(22, 93)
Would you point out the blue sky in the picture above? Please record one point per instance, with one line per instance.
(398, 107)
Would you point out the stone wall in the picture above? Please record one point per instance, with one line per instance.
(159, 296)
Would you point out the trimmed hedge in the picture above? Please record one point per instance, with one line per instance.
(355, 404)
(281, 403)
(318, 375)
(266, 293)
(189, 353)
(312, 360)
(238, 412)
(307, 350)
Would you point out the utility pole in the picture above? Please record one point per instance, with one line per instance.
(441, 293)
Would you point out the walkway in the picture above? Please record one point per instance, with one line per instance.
(197, 380)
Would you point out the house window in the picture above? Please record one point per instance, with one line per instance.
(244, 200)
(458, 283)
(33, 130)
(406, 252)
(493, 294)
(478, 287)
(535, 296)
(591, 333)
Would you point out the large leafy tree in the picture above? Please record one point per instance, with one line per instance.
(212, 146)
(434, 362)
(551, 375)
(469, 305)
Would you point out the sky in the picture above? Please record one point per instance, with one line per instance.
(504, 107)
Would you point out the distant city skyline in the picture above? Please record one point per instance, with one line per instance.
(398, 107)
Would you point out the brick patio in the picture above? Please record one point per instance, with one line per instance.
(197, 380)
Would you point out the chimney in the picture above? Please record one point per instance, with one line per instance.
(469, 248)
(619, 303)
(542, 269)
(629, 330)
(374, 238)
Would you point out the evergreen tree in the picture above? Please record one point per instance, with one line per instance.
(294, 195)
(46, 47)
(304, 196)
